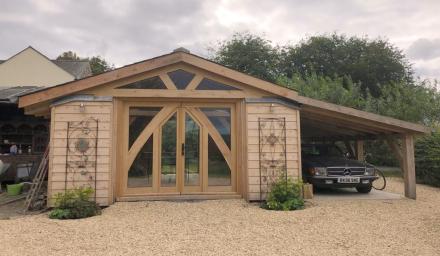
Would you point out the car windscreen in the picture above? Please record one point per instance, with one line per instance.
(321, 150)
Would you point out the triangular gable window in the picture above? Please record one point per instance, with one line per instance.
(149, 83)
(208, 84)
(181, 78)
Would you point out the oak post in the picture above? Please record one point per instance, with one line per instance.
(360, 150)
(408, 166)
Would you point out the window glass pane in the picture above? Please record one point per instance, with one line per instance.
(192, 153)
(141, 170)
(219, 173)
(168, 156)
(208, 84)
(181, 78)
(149, 83)
(221, 119)
(139, 118)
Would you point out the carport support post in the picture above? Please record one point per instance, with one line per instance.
(408, 166)
(405, 156)
(360, 150)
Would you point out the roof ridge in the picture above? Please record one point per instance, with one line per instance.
(72, 60)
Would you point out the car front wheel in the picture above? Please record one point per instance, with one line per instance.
(364, 190)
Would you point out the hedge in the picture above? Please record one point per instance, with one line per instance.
(427, 154)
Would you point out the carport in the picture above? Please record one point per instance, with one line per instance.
(326, 122)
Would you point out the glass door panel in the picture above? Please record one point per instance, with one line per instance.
(168, 169)
(219, 173)
(140, 173)
(191, 152)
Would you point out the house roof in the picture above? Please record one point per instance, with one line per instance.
(77, 68)
(11, 94)
(310, 106)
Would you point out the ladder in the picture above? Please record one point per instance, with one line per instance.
(40, 175)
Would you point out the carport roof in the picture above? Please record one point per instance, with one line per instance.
(323, 120)
(319, 119)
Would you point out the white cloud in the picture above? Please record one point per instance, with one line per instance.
(48, 6)
(424, 49)
(428, 69)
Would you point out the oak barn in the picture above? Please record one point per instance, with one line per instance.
(179, 126)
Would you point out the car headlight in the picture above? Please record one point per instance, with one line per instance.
(369, 171)
(318, 171)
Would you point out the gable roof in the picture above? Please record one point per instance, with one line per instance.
(76, 68)
(147, 65)
(308, 105)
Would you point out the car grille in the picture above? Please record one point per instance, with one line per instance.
(339, 171)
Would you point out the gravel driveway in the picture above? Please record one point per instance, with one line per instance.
(234, 227)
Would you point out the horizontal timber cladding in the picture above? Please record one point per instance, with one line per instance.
(290, 156)
(99, 177)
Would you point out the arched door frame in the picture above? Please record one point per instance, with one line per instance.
(169, 106)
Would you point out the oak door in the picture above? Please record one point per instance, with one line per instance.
(178, 148)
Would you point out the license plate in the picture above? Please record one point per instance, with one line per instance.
(349, 180)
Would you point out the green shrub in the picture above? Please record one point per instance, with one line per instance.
(74, 204)
(60, 214)
(285, 195)
(427, 154)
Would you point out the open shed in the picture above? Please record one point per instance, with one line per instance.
(180, 126)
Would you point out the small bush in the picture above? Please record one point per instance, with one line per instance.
(74, 204)
(285, 195)
(60, 214)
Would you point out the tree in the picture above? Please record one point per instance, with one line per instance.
(340, 90)
(416, 102)
(250, 54)
(372, 63)
(370, 75)
(69, 55)
(97, 63)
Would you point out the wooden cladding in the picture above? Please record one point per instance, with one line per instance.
(292, 150)
(243, 162)
(61, 115)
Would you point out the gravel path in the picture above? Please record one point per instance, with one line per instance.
(233, 227)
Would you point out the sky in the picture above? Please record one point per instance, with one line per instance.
(127, 31)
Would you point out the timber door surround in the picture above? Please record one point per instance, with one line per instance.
(177, 148)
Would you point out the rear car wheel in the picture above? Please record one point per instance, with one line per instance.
(364, 190)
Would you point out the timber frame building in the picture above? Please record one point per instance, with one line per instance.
(180, 126)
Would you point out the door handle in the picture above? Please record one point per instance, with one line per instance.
(183, 149)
